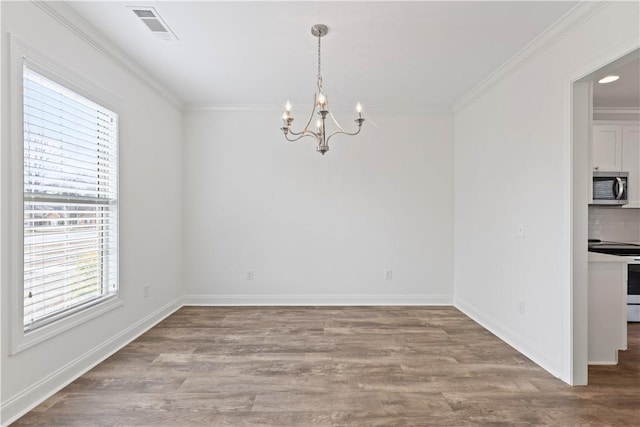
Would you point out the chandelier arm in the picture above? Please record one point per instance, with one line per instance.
(315, 98)
(336, 122)
(340, 132)
(306, 127)
(297, 133)
(308, 133)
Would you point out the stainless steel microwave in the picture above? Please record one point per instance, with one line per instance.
(610, 188)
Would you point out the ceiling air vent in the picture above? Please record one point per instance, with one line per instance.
(150, 17)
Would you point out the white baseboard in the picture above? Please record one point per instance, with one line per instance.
(18, 405)
(507, 335)
(606, 363)
(316, 300)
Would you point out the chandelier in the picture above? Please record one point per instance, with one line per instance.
(320, 103)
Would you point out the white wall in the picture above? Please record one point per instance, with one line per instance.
(513, 166)
(314, 229)
(150, 214)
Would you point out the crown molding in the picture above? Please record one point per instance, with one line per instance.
(233, 107)
(250, 108)
(558, 30)
(85, 31)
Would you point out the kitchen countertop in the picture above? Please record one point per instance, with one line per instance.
(598, 257)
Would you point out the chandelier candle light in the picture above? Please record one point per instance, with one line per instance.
(320, 102)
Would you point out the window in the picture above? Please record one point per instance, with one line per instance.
(70, 196)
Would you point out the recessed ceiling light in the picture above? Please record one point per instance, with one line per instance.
(608, 79)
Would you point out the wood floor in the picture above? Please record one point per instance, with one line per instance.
(335, 366)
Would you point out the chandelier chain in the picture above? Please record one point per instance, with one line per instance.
(319, 69)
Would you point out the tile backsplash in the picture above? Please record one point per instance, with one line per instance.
(614, 224)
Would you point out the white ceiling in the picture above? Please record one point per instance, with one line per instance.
(390, 55)
(623, 93)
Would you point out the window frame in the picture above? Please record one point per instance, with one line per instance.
(21, 54)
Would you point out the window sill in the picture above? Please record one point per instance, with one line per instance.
(23, 340)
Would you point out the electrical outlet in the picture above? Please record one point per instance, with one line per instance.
(145, 289)
(521, 306)
(520, 230)
(249, 274)
(388, 274)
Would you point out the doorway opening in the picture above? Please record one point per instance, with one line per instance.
(596, 106)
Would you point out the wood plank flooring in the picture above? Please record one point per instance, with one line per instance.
(335, 366)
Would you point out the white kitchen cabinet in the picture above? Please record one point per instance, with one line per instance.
(615, 147)
(606, 148)
(631, 162)
(607, 308)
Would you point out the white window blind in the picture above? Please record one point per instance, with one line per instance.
(70, 201)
